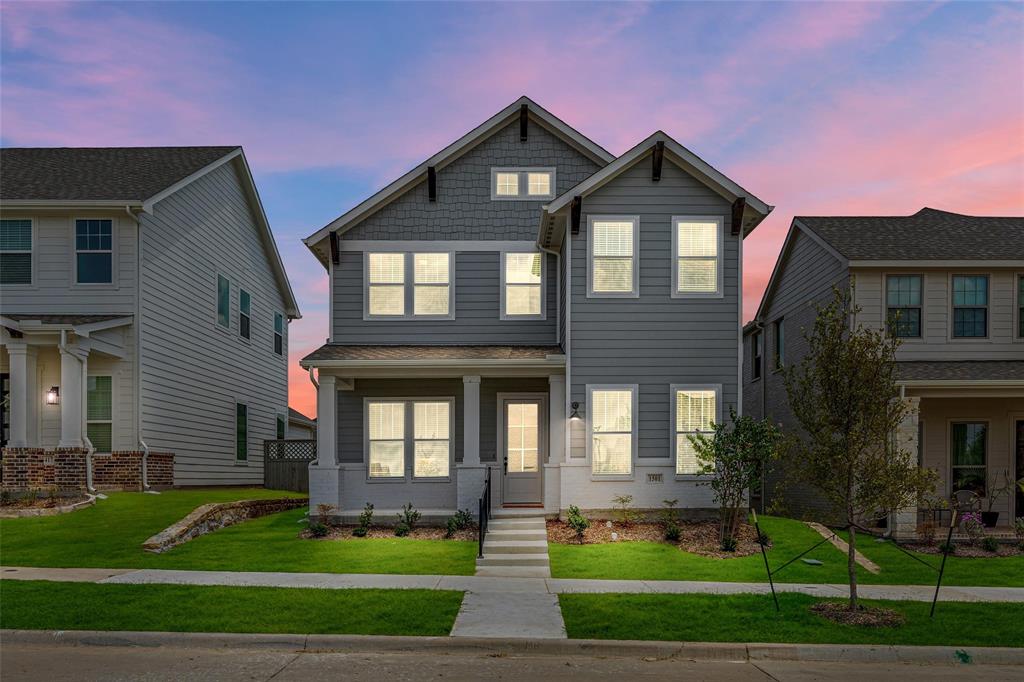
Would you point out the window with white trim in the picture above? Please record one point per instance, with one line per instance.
(244, 314)
(431, 277)
(522, 183)
(390, 443)
(386, 427)
(612, 430)
(223, 301)
(695, 410)
(903, 306)
(241, 432)
(99, 409)
(970, 306)
(612, 241)
(386, 282)
(1020, 306)
(279, 333)
(16, 251)
(697, 244)
(94, 251)
(522, 281)
(281, 427)
(409, 285)
(431, 439)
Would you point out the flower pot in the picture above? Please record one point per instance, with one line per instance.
(989, 518)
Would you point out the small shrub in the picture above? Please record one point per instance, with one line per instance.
(409, 516)
(669, 514)
(464, 519)
(673, 532)
(729, 544)
(324, 513)
(450, 526)
(578, 522)
(51, 492)
(947, 547)
(366, 517)
(990, 544)
(1018, 528)
(360, 531)
(401, 530)
(973, 527)
(624, 506)
(926, 532)
(319, 530)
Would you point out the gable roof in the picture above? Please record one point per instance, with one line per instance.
(756, 209)
(928, 235)
(449, 154)
(119, 174)
(296, 416)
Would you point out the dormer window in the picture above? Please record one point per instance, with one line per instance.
(523, 184)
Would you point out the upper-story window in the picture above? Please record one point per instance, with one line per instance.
(697, 244)
(1020, 306)
(279, 333)
(970, 306)
(780, 344)
(397, 283)
(522, 285)
(94, 251)
(903, 305)
(756, 354)
(16, 251)
(523, 183)
(612, 242)
(244, 314)
(223, 301)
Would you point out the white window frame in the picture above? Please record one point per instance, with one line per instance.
(113, 408)
(757, 357)
(409, 438)
(216, 302)
(249, 315)
(32, 256)
(1018, 303)
(634, 424)
(409, 285)
(719, 291)
(524, 183)
(952, 308)
(635, 219)
(234, 433)
(673, 391)
(885, 304)
(282, 334)
(114, 280)
(504, 286)
(281, 419)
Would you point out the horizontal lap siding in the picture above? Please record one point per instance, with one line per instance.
(654, 340)
(193, 371)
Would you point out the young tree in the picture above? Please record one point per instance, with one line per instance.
(735, 457)
(844, 395)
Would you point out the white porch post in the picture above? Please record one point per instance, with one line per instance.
(72, 397)
(24, 397)
(471, 472)
(904, 521)
(325, 474)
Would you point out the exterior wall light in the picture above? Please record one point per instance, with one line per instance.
(575, 414)
(53, 396)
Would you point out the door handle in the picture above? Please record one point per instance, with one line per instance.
(506, 464)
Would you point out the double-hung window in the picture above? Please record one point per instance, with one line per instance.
(696, 410)
(241, 432)
(522, 183)
(970, 306)
(1020, 306)
(968, 444)
(522, 282)
(244, 314)
(756, 354)
(386, 283)
(903, 305)
(389, 442)
(94, 251)
(223, 301)
(99, 409)
(697, 244)
(16, 251)
(408, 285)
(431, 284)
(612, 438)
(613, 270)
(279, 333)
(780, 343)
(281, 426)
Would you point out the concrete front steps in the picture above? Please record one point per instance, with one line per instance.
(516, 546)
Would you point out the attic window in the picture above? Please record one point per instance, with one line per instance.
(524, 184)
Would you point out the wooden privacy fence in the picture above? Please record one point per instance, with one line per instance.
(286, 464)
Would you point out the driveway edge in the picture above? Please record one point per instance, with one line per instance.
(690, 651)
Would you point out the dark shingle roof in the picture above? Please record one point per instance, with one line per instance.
(398, 353)
(929, 234)
(104, 173)
(977, 370)
(295, 415)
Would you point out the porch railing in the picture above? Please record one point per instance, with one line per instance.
(484, 513)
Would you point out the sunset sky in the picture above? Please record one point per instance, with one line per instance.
(816, 108)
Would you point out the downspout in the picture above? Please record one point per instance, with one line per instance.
(138, 349)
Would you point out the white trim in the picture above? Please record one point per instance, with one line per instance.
(634, 424)
(113, 405)
(247, 339)
(423, 246)
(547, 362)
(216, 302)
(502, 315)
(1018, 317)
(408, 438)
(409, 288)
(330, 300)
(951, 309)
(114, 282)
(719, 261)
(987, 421)
(63, 204)
(284, 334)
(33, 256)
(673, 391)
(543, 431)
(635, 292)
(885, 304)
(936, 264)
(523, 180)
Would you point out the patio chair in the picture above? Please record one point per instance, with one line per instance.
(965, 501)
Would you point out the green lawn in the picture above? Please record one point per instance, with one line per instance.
(110, 535)
(657, 561)
(180, 608)
(752, 618)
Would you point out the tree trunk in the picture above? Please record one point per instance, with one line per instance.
(851, 565)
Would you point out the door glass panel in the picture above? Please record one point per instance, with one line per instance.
(521, 436)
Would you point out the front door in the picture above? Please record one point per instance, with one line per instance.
(1019, 472)
(522, 448)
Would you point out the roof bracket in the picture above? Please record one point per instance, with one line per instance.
(738, 208)
(523, 118)
(656, 158)
(576, 210)
(431, 183)
(334, 247)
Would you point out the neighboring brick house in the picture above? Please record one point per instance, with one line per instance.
(954, 287)
(145, 311)
(528, 305)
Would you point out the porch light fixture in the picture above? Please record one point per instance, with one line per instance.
(53, 396)
(575, 414)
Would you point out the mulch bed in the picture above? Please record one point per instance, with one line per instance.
(418, 533)
(42, 502)
(698, 537)
(967, 551)
(872, 617)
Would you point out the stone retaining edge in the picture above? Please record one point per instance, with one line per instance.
(691, 651)
(31, 512)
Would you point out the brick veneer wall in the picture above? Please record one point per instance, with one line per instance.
(26, 469)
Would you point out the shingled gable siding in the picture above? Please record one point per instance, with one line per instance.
(654, 340)
(192, 370)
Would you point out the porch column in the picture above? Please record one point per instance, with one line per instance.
(327, 421)
(24, 396)
(73, 366)
(904, 521)
(556, 418)
(471, 421)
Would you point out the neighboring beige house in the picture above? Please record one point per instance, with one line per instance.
(953, 287)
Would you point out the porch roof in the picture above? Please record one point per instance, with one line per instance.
(334, 354)
(971, 370)
(69, 320)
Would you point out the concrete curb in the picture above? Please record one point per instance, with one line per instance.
(689, 651)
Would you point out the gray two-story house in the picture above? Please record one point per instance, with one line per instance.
(951, 288)
(528, 306)
(144, 308)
